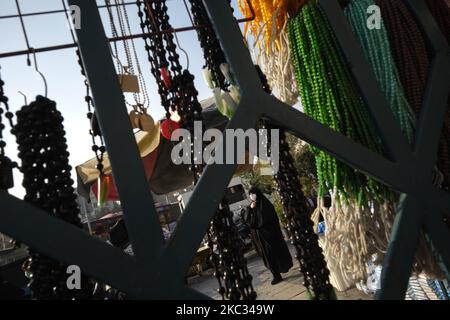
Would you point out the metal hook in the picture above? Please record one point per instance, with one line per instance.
(181, 48)
(24, 31)
(24, 97)
(30, 49)
(37, 70)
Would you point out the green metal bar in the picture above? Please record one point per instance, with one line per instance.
(66, 243)
(207, 195)
(140, 215)
(402, 249)
(432, 116)
(232, 43)
(439, 235)
(327, 139)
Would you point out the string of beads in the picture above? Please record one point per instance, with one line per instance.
(178, 93)
(6, 165)
(48, 185)
(329, 95)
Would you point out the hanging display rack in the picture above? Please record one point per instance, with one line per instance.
(31, 50)
(158, 269)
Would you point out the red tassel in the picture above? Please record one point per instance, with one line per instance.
(166, 77)
(168, 126)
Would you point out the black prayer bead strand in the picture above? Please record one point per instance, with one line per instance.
(229, 262)
(48, 185)
(6, 165)
(154, 47)
(99, 149)
(297, 213)
(235, 281)
(212, 52)
(315, 272)
(98, 145)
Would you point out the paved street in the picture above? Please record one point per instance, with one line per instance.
(289, 289)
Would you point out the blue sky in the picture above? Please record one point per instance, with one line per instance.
(65, 83)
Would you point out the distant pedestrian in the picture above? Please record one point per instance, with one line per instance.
(266, 231)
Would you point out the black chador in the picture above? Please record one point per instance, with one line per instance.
(267, 235)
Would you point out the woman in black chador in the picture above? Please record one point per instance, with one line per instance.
(267, 235)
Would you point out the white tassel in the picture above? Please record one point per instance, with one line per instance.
(225, 68)
(235, 94)
(219, 101)
(232, 106)
(207, 76)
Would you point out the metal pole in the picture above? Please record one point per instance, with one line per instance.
(140, 216)
(114, 39)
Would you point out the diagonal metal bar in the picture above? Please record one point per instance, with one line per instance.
(428, 25)
(432, 115)
(232, 43)
(157, 283)
(325, 138)
(394, 140)
(203, 203)
(66, 243)
(140, 215)
(440, 199)
(439, 235)
(435, 102)
(396, 272)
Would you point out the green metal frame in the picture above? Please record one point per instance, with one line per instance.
(158, 269)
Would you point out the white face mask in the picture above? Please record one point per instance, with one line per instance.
(253, 197)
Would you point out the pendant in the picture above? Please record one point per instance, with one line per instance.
(134, 119)
(146, 122)
(129, 83)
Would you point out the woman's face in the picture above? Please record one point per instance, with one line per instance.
(252, 196)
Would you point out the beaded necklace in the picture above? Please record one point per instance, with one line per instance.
(408, 49)
(98, 144)
(311, 260)
(174, 85)
(216, 71)
(133, 65)
(178, 93)
(271, 44)
(358, 222)
(296, 211)
(6, 165)
(377, 50)
(212, 52)
(441, 13)
(412, 60)
(48, 185)
(329, 95)
(270, 18)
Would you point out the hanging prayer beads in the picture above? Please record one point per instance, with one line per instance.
(6, 165)
(441, 13)
(329, 95)
(94, 132)
(296, 210)
(178, 94)
(48, 185)
(271, 43)
(377, 50)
